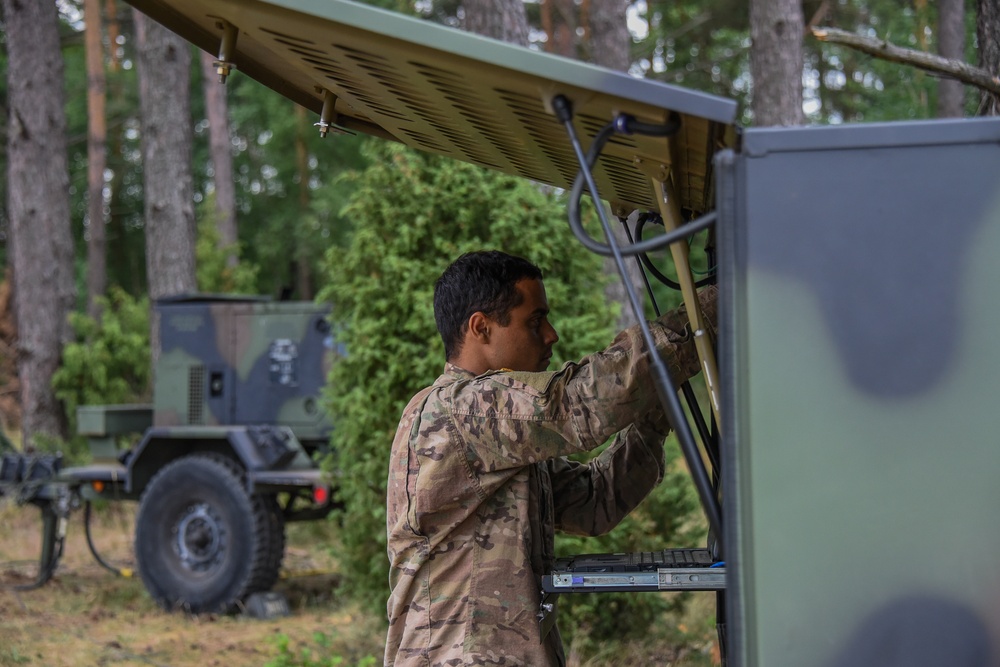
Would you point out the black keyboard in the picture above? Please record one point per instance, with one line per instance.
(670, 569)
(641, 561)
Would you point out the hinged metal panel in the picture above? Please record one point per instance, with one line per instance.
(458, 94)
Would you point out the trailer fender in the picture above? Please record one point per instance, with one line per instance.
(256, 448)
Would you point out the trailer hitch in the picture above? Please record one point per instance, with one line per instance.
(30, 479)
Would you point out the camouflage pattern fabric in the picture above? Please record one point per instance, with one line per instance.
(478, 484)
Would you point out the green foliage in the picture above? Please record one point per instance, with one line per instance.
(109, 361)
(700, 45)
(288, 198)
(214, 275)
(12, 656)
(317, 654)
(414, 214)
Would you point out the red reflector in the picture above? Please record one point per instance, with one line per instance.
(321, 495)
(97, 485)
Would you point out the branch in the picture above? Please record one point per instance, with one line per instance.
(880, 48)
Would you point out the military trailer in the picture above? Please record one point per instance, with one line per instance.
(224, 457)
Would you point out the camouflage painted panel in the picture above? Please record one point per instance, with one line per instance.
(866, 367)
(243, 362)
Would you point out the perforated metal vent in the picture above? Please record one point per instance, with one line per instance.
(196, 395)
(461, 95)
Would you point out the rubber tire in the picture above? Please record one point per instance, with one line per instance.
(273, 536)
(274, 532)
(208, 490)
(268, 575)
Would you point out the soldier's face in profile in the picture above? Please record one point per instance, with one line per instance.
(525, 344)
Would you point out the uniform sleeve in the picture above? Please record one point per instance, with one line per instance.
(513, 419)
(592, 498)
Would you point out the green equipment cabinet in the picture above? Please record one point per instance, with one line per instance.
(861, 369)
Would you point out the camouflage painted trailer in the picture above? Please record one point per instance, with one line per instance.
(848, 467)
(225, 455)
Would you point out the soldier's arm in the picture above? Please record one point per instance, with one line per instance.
(591, 499)
(511, 419)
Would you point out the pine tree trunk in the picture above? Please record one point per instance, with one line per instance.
(609, 42)
(547, 26)
(951, 44)
(564, 28)
(164, 102)
(988, 34)
(217, 112)
(609, 38)
(500, 19)
(776, 61)
(97, 136)
(38, 206)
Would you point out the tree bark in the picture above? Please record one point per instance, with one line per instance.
(609, 47)
(164, 102)
(217, 113)
(988, 35)
(114, 32)
(564, 28)
(547, 27)
(38, 206)
(951, 45)
(500, 19)
(97, 151)
(776, 62)
(610, 40)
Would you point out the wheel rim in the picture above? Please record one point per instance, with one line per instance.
(198, 538)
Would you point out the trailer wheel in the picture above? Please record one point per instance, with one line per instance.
(202, 543)
(268, 574)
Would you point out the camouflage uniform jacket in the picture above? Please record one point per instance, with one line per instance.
(478, 483)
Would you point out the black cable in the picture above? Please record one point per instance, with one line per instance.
(661, 376)
(90, 542)
(640, 224)
(576, 193)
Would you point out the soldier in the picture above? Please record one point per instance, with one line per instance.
(478, 479)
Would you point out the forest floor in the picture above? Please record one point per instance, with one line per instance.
(88, 616)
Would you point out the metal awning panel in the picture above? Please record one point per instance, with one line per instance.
(461, 95)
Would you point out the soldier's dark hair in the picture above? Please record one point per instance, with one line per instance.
(483, 281)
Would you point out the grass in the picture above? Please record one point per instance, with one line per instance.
(88, 616)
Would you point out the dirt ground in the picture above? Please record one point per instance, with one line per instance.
(86, 615)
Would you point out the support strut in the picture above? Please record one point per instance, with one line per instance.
(671, 212)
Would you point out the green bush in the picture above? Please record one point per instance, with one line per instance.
(214, 275)
(320, 653)
(108, 363)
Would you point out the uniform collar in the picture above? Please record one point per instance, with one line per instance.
(453, 372)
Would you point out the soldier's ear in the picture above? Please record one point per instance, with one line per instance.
(479, 327)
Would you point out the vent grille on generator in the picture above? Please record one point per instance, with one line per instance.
(196, 395)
